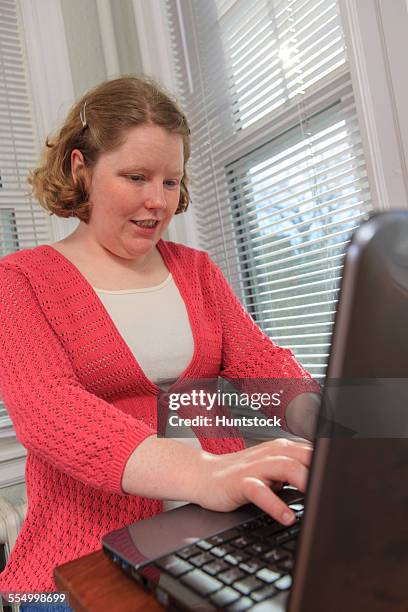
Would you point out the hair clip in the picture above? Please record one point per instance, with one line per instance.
(82, 115)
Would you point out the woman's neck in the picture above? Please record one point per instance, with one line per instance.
(106, 270)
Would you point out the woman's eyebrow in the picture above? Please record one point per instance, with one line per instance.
(143, 170)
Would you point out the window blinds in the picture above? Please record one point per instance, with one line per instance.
(278, 171)
(23, 224)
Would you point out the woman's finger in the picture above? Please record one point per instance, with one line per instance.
(282, 468)
(258, 493)
(298, 451)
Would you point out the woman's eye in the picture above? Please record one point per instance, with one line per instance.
(136, 178)
(172, 184)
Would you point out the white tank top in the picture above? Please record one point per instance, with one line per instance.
(154, 323)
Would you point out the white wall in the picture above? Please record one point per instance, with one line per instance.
(84, 44)
(102, 41)
(393, 17)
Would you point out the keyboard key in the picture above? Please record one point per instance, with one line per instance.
(224, 597)
(201, 582)
(283, 583)
(201, 559)
(261, 594)
(221, 551)
(250, 526)
(296, 507)
(274, 528)
(236, 557)
(248, 584)
(295, 529)
(231, 575)
(291, 545)
(286, 565)
(204, 544)
(268, 575)
(226, 536)
(257, 549)
(267, 520)
(251, 565)
(242, 604)
(215, 567)
(283, 537)
(215, 540)
(276, 554)
(173, 565)
(188, 552)
(242, 541)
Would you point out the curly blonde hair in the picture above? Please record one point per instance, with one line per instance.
(97, 124)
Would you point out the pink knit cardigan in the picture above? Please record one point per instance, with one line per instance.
(81, 404)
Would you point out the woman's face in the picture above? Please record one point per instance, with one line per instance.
(134, 191)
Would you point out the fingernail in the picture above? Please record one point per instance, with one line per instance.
(288, 518)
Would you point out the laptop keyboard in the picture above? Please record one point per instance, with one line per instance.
(239, 567)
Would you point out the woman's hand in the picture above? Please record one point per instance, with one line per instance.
(167, 469)
(232, 480)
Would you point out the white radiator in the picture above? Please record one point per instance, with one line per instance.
(11, 518)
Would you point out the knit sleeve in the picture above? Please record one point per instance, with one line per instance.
(249, 354)
(54, 416)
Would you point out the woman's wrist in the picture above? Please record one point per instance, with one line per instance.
(166, 469)
(203, 480)
(302, 413)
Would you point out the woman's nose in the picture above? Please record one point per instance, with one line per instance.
(155, 198)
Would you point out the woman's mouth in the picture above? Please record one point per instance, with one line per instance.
(147, 223)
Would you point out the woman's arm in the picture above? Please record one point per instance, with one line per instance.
(54, 416)
(254, 363)
(167, 469)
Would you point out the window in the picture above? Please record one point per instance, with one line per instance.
(8, 230)
(278, 172)
(23, 224)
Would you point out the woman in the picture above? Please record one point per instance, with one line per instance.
(97, 324)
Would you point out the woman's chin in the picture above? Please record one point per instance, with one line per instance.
(140, 247)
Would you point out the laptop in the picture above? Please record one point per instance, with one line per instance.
(348, 549)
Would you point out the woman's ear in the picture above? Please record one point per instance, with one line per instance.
(77, 165)
(80, 172)
(81, 175)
